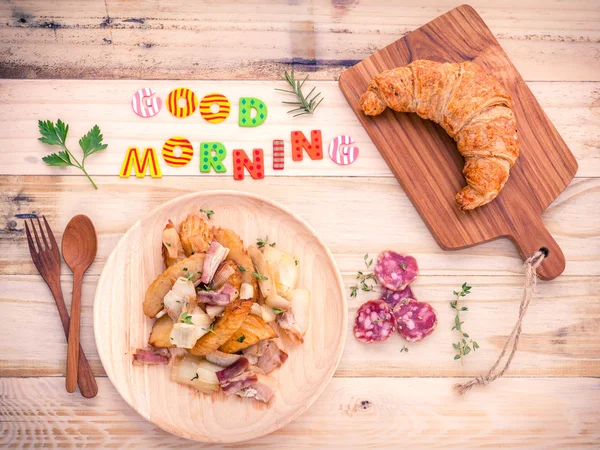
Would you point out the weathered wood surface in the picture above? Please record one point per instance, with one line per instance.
(550, 40)
(353, 413)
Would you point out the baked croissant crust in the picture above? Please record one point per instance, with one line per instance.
(473, 108)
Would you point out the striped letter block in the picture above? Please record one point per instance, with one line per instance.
(187, 151)
(191, 102)
(132, 160)
(340, 152)
(278, 161)
(214, 99)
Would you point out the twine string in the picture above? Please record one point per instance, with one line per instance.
(531, 265)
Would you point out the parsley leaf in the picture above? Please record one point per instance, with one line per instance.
(242, 338)
(57, 135)
(92, 142)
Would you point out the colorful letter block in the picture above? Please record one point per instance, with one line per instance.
(254, 167)
(214, 99)
(132, 160)
(278, 155)
(187, 151)
(314, 148)
(247, 105)
(339, 151)
(212, 155)
(191, 102)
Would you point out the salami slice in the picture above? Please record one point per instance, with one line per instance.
(374, 322)
(395, 271)
(392, 298)
(416, 320)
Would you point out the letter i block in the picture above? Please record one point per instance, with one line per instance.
(212, 155)
(255, 167)
(314, 148)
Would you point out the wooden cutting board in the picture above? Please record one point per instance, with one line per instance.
(427, 164)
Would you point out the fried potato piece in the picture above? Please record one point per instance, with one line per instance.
(254, 329)
(160, 336)
(195, 235)
(232, 318)
(228, 238)
(172, 249)
(153, 301)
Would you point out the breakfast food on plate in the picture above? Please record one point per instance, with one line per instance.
(470, 105)
(415, 320)
(374, 322)
(221, 307)
(395, 271)
(396, 308)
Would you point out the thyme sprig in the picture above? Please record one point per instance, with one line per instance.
(260, 242)
(306, 104)
(465, 343)
(364, 279)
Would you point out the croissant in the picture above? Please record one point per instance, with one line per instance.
(470, 105)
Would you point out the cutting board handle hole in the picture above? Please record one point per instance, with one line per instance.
(545, 251)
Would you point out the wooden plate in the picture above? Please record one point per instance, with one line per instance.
(120, 325)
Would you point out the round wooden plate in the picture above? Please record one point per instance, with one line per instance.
(120, 325)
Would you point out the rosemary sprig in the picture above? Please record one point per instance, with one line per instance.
(363, 278)
(306, 104)
(463, 346)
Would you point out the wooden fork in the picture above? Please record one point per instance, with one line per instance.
(46, 258)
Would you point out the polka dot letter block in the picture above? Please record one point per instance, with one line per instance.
(249, 104)
(256, 167)
(314, 148)
(212, 155)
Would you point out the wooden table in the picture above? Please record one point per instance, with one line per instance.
(380, 397)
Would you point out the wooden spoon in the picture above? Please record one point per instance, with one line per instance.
(79, 245)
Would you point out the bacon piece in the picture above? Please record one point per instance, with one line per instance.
(262, 389)
(374, 322)
(416, 320)
(214, 298)
(395, 271)
(288, 324)
(392, 298)
(232, 371)
(229, 290)
(266, 355)
(215, 255)
(240, 382)
(152, 356)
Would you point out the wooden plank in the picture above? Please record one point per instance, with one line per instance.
(571, 107)
(228, 39)
(559, 339)
(331, 206)
(351, 414)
